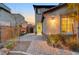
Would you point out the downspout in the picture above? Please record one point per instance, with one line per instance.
(42, 22)
(0, 34)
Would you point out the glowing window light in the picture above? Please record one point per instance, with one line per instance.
(51, 24)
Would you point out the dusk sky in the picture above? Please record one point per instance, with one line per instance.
(26, 9)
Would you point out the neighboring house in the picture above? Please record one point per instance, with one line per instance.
(19, 19)
(24, 27)
(30, 28)
(58, 20)
(39, 9)
(7, 23)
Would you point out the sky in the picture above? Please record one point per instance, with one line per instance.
(26, 9)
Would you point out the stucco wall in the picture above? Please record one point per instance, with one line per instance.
(59, 11)
(51, 26)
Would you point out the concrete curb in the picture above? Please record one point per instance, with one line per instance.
(19, 52)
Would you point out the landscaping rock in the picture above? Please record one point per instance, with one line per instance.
(4, 51)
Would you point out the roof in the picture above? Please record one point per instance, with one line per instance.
(55, 8)
(19, 15)
(4, 7)
(19, 18)
(43, 6)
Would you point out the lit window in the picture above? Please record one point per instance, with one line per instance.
(67, 24)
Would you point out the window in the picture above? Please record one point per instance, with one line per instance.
(38, 11)
(67, 24)
(64, 24)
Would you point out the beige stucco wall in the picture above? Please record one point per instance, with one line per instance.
(59, 11)
(51, 26)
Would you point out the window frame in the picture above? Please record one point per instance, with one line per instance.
(67, 27)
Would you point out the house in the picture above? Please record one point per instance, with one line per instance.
(59, 20)
(39, 9)
(7, 23)
(30, 28)
(24, 27)
(20, 20)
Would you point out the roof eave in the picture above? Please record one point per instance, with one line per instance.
(55, 8)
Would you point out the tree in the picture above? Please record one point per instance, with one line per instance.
(75, 13)
(75, 7)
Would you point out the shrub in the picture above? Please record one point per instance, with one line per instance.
(10, 44)
(53, 39)
(63, 41)
(73, 44)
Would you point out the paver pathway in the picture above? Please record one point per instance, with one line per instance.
(42, 48)
(38, 46)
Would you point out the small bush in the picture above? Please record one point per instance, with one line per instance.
(10, 44)
(53, 39)
(73, 44)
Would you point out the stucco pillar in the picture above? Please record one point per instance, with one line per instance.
(60, 23)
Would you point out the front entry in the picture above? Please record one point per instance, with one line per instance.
(39, 28)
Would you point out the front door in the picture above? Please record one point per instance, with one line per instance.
(39, 28)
